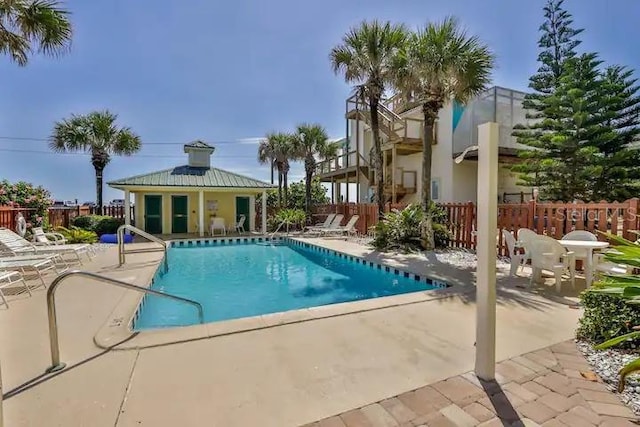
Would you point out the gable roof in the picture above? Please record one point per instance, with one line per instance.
(190, 176)
(198, 144)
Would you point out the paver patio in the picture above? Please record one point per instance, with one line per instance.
(542, 388)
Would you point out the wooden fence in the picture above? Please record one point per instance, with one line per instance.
(552, 219)
(61, 216)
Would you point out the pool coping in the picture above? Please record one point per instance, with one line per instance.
(117, 333)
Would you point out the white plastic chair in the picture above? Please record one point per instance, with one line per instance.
(525, 237)
(583, 236)
(217, 223)
(349, 227)
(239, 226)
(517, 258)
(548, 254)
(602, 266)
(335, 224)
(40, 237)
(327, 222)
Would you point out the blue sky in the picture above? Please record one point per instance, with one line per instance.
(227, 72)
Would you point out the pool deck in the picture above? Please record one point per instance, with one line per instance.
(277, 375)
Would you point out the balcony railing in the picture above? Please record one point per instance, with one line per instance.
(342, 161)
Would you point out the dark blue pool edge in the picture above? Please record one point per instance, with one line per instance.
(221, 241)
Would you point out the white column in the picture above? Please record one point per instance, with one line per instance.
(127, 209)
(201, 213)
(264, 212)
(1, 416)
(487, 212)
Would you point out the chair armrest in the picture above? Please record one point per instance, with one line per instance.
(56, 236)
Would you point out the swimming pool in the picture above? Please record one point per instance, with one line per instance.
(245, 278)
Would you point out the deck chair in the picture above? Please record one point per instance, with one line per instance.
(39, 266)
(335, 223)
(10, 279)
(517, 258)
(16, 245)
(548, 254)
(349, 228)
(325, 224)
(40, 237)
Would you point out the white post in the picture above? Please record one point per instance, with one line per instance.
(127, 209)
(487, 212)
(1, 416)
(201, 213)
(264, 212)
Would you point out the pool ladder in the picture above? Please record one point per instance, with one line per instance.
(122, 252)
(56, 365)
(277, 229)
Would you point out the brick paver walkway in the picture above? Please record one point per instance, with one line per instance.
(543, 388)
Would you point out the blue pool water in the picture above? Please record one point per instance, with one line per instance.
(241, 280)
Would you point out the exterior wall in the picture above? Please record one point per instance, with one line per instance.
(442, 161)
(465, 182)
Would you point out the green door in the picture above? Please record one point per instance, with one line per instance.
(179, 214)
(242, 208)
(153, 214)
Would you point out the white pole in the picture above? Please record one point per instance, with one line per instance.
(1, 416)
(127, 209)
(487, 213)
(201, 213)
(264, 212)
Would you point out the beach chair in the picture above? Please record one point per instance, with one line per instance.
(42, 238)
(10, 279)
(335, 223)
(349, 228)
(328, 220)
(16, 245)
(39, 266)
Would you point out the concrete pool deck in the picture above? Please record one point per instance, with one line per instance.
(281, 375)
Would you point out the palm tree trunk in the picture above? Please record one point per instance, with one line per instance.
(428, 242)
(376, 155)
(99, 160)
(309, 166)
(279, 187)
(285, 189)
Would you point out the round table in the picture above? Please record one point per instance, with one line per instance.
(589, 246)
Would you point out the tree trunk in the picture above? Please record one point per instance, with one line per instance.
(99, 159)
(428, 242)
(285, 188)
(309, 166)
(376, 155)
(279, 187)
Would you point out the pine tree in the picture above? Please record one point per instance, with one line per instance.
(617, 138)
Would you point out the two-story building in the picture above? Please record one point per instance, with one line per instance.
(401, 125)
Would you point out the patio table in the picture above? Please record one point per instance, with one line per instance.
(589, 246)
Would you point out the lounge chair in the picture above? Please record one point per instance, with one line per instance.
(334, 224)
(40, 237)
(349, 228)
(517, 258)
(327, 221)
(37, 265)
(16, 245)
(548, 254)
(9, 279)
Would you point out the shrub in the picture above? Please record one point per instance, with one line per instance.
(77, 235)
(26, 195)
(400, 230)
(99, 224)
(291, 218)
(606, 316)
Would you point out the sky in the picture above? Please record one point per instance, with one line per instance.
(228, 72)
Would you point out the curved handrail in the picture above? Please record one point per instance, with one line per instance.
(51, 307)
(122, 252)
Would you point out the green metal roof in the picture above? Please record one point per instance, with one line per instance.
(189, 176)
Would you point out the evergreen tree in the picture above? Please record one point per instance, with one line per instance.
(618, 174)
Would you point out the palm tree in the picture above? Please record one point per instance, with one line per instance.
(366, 57)
(28, 25)
(440, 63)
(311, 141)
(95, 133)
(277, 148)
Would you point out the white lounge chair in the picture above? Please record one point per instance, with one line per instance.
(40, 237)
(517, 258)
(583, 236)
(548, 254)
(327, 221)
(10, 279)
(349, 228)
(16, 245)
(335, 224)
(36, 265)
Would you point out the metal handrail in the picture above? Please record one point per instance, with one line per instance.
(122, 251)
(56, 365)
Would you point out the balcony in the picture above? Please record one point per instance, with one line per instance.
(342, 164)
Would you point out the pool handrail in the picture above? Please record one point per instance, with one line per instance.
(122, 251)
(56, 365)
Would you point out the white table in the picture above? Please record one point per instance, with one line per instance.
(589, 247)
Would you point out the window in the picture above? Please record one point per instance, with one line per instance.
(435, 189)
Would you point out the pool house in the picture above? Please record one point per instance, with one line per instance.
(192, 197)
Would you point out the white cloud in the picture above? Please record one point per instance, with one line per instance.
(251, 141)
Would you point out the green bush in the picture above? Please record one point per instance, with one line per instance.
(606, 316)
(99, 224)
(400, 230)
(441, 235)
(77, 235)
(290, 218)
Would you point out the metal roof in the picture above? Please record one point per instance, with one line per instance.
(190, 176)
(199, 144)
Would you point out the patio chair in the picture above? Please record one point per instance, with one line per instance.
(239, 226)
(548, 254)
(217, 223)
(36, 265)
(525, 237)
(349, 228)
(333, 225)
(40, 237)
(10, 279)
(16, 245)
(603, 267)
(583, 236)
(325, 224)
(517, 258)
